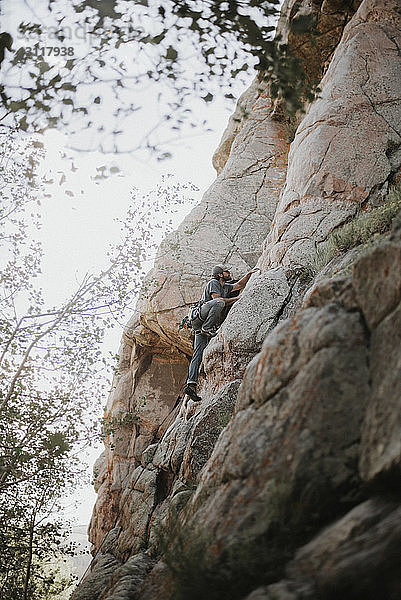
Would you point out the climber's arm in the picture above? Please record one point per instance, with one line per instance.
(242, 282)
(227, 301)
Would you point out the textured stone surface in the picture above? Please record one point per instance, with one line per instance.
(156, 585)
(135, 509)
(338, 289)
(189, 442)
(381, 441)
(110, 580)
(359, 100)
(235, 124)
(297, 426)
(292, 345)
(136, 391)
(99, 471)
(98, 579)
(127, 579)
(378, 289)
(377, 276)
(356, 557)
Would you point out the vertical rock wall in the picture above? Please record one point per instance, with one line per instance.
(299, 424)
(347, 149)
(228, 226)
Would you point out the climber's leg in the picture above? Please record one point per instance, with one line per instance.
(212, 314)
(200, 343)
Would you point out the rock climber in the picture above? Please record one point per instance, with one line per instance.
(214, 304)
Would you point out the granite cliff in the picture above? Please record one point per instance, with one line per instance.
(284, 482)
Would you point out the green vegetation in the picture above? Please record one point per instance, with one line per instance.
(363, 229)
(223, 39)
(111, 425)
(198, 570)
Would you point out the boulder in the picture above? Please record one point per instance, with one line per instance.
(127, 579)
(187, 445)
(377, 283)
(98, 578)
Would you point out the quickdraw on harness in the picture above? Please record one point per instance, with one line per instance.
(193, 313)
(185, 323)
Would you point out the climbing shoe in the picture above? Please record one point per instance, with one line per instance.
(190, 391)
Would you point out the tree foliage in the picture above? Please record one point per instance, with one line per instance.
(135, 49)
(52, 378)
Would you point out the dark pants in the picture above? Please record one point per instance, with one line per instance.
(211, 313)
(200, 343)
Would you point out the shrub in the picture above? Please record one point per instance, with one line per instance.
(196, 572)
(361, 230)
(110, 425)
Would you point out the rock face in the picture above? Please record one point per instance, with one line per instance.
(356, 116)
(356, 557)
(283, 483)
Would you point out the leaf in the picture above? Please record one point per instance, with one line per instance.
(171, 54)
(55, 80)
(43, 67)
(208, 98)
(159, 38)
(164, 156)
(15, 106)
(23, 124)
(69, 87)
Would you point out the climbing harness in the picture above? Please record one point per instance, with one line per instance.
(193, 313)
